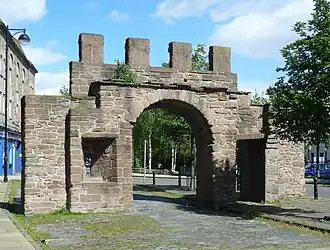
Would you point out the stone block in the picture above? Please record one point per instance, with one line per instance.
(137, 52)
(180, 56)
(91, 48)
(220, 59)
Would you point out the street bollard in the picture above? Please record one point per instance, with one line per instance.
(179, 181)
(153, 178)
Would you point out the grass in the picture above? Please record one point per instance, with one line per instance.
(13, 186)
(157, 191)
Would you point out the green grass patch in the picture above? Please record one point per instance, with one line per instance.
(14, 186)
(299, 228)
(156, 191)
(124, 224)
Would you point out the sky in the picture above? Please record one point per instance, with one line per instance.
(255, 30)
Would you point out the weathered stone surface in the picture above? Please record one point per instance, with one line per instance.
(97, 122)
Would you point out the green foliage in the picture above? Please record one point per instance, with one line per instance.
(64, 91)
(165, 65)
(259, 98)
(199, 58)
(301, 99)
(166, 129)
(123, 72)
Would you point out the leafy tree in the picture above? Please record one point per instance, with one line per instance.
(123, 72)
(64, 91)
(199, 58)
(259, 98)
(301, 99)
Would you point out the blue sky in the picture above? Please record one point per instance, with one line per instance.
(254, 29)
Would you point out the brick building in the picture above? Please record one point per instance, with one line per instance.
(21, 81)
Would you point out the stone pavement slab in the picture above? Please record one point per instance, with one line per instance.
(10, 236)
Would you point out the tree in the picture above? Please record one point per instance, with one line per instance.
(64, 91)
(301, 99)
(259, 98)
(199, 58)
(123, 72)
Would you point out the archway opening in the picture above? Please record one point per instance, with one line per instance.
(172, 138)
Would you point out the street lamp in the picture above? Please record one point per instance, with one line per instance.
(23, 39)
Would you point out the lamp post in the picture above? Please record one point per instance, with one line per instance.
(23, 39)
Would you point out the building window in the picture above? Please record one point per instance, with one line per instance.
(10, 110)
(11, 76)
(23, 82)
(2, 102)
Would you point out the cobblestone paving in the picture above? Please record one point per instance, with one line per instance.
(182, 228)
(224, 231)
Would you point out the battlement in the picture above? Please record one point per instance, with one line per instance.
(91, 67)
(137, 54)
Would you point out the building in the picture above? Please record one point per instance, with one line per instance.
(21, 81)
(324, 154)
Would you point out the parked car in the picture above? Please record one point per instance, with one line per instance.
(310, 170)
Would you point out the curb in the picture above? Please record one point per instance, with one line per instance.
(288, 221)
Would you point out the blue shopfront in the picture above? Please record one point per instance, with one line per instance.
(14, 148)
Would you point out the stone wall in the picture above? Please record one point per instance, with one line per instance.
(285, 175)
(43, 141)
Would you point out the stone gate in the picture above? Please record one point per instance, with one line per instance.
(98, 119)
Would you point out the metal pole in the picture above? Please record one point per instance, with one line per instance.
(153, 178)
(5, 161)
(179, 180)
(145, 162)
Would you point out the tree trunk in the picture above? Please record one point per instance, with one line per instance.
(144, 161)
(175, 155)
(150, 152)
(172, 157)
(317, 172)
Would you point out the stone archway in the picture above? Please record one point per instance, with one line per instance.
(57, 132)
(204, 139)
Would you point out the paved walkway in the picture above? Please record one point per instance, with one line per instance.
(10, 236)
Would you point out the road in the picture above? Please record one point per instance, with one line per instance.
(324, 191)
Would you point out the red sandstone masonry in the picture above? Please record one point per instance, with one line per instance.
(102, 113)
(43, 120)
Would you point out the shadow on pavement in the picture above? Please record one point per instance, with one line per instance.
(14, 206)
(244, 210)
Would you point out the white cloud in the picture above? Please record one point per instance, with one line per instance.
(42, 56)
(14, 11)
(117, 16)
(169, 10)
(48, 83)
(255, 28)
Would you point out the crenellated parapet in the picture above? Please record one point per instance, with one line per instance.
(91, 66)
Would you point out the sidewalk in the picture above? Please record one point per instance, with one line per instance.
(10, 236)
